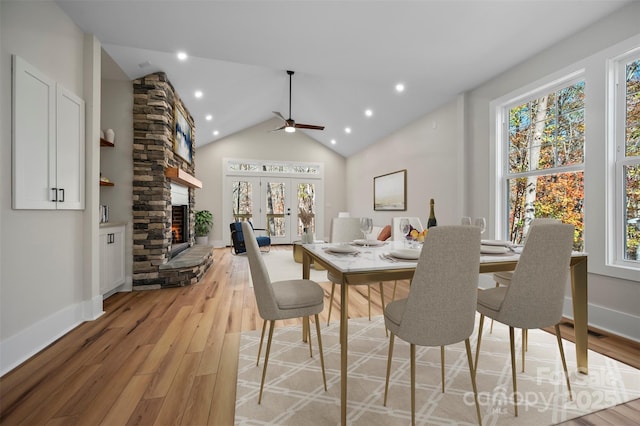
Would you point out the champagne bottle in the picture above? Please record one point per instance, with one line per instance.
(432, 215)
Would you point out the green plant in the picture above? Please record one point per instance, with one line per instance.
(203, 223)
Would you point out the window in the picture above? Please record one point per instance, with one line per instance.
(627, 158)
(543, 168)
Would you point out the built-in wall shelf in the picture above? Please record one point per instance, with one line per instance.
(183, 178)
(104, 142)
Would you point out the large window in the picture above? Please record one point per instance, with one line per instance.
(627, 156)
(543, 168)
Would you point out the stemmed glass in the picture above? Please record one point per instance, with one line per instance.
(366, 226)
(466, 220)
(481, 222)
(405, 226)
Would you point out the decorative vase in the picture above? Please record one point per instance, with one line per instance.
(307, 236)
(109, 135)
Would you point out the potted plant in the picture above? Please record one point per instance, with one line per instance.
(202, 226)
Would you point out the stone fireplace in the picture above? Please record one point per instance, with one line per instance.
(157, 226)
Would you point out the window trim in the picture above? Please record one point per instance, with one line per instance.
(616, 115)
(500, 150)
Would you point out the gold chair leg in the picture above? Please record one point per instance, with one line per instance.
(369, 300)
(264, 326)
(324, 376)
(524, 345)
(393, 295)
(306, 320)
(413, 384)
(513, 368)
(333, 289)
(442, 365)
(478, 344)
(386, 384)
(473, 380)
(266, 359)
(564, 362)
(386, 331)
(491, 327)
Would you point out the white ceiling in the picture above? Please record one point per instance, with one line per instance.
(347, 55)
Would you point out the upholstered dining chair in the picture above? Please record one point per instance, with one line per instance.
(504, 278)
(345, 230)
(281, 300)
(441, 307)
(535, 295)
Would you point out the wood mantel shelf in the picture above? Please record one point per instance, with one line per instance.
(180, 176)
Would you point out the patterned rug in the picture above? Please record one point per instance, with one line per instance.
(294, 395)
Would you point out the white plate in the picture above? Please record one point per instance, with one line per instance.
(341, 249)
(372, 243)
(493, 249)
(502, 243)
(407, 254)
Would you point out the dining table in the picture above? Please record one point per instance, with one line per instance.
(359, 264)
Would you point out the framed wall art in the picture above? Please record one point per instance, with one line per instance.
(390, 191)
(182, 134)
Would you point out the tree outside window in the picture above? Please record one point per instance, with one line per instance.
(545, 168)
(631, 161)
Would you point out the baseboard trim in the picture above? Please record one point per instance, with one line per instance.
(20, 347)
(610, 321)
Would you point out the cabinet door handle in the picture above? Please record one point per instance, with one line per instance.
(61, 190)
(55, 195)
(111, 238)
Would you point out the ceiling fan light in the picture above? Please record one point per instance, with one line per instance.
(289, 129)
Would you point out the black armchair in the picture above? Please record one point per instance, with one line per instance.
(237, 239)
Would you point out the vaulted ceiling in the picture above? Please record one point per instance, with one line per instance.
(347, 56)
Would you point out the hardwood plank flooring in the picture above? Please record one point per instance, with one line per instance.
(171, 357)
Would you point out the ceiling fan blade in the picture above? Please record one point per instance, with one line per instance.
(279, 128)
(309, 126)
(279, 115)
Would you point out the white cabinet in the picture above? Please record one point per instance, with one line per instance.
(112, 273)
(48, 142)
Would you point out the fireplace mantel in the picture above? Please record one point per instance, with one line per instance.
(180, 176)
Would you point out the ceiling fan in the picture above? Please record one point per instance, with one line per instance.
(290, 125)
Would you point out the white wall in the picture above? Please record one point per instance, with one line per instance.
(609, 298)
(431, 151)
(42, 281)
(259, 143)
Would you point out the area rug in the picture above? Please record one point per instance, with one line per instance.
(294, 394)
(281, 266)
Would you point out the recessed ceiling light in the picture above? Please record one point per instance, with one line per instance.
(347, 129)
(209, 117)
(182, 56)
(216, 133)
(198, 94)
(333, 141)
(368, 113)
(399, 87)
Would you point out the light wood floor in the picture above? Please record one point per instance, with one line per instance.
(170, 357)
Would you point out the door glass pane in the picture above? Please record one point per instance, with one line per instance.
(242, 201)
(306, 193)
(275, 209)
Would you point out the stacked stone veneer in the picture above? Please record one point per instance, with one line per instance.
(153, 118)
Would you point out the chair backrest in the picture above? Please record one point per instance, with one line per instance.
(263, 291)
(344, 214)
(539, 221)
(441, 306)
(396, 235)
(345, 229)
(535, 296)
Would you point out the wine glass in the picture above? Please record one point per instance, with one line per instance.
(405, 226)
(366, 226)
(481, 222)
(466, 220)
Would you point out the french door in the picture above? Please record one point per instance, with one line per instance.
(273, 203)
